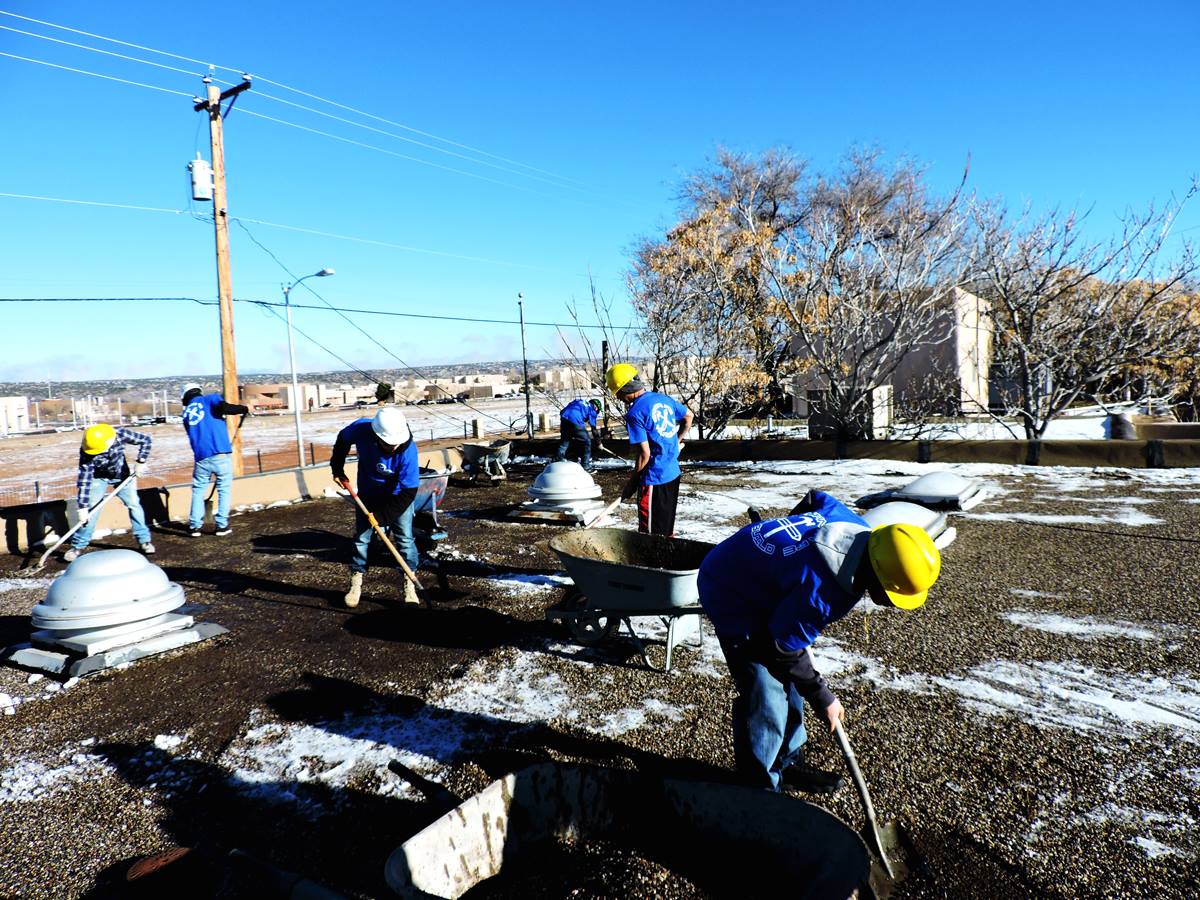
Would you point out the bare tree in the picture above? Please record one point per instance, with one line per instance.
(864, 272)
(1074, 317)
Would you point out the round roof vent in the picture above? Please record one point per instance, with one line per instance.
(564, 480)
(108, 587)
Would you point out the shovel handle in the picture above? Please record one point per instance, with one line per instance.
(386, 540)
(607, 511)
(92, 510)
(864, 795)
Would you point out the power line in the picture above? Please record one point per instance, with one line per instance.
(293, 90)
(328, 234)
(46, 37)
(326, 308)
(42, 62)
(396, 153)
(356, 326)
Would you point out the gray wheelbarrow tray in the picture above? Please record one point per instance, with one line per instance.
(619, 574)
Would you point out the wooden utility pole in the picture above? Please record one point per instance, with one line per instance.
(224, 275)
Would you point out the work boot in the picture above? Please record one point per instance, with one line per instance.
(811, 780)
(410, 591)
(355, 593)
(71, 555)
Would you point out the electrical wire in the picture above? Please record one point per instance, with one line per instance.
(146, 62)
(328, 234)
(42, 62)
(293, 90)
(359, 328)
(326, 307)
(396, 153)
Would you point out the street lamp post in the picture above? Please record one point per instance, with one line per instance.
(287, 303)
(525, 368)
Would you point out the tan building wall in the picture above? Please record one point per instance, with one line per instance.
(14, 415)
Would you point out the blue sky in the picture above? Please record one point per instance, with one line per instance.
(1067, 104)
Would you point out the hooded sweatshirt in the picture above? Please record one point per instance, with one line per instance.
(780, 582)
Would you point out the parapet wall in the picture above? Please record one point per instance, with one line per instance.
(1124, 454)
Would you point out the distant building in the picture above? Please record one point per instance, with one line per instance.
(14, 415)
(947, 375)
(565, 378)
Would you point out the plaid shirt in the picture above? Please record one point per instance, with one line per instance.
(110, 465)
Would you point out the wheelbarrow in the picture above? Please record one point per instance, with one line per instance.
(486, 460)
(621, 574)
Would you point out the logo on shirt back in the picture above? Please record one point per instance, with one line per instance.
(194, 413)
(382, 468)
(664, 420)
(762, 532)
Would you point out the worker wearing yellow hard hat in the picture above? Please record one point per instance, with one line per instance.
(657, 426)
(770, 590)
(102, 463)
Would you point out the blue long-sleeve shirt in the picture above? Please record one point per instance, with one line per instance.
(110, 465)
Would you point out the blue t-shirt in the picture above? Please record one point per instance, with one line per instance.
(205, 426)
(380, 474)
(769, 576)
(656, 418)
(579, 412)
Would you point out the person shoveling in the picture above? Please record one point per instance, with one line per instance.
(102, 463)
(770, 590)
(388, 478)
(577, 423)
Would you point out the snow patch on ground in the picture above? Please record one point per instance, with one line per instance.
(1084, 627)
(1152, 847)
(32, 780)
(24, 584)
(522, 583)
(1131, 517)
(1022, 592)
(1069, 695)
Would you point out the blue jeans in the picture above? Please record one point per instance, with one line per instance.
(578, 435)
(128, 496)
(401, 528)
(220, 466)
(768, 717)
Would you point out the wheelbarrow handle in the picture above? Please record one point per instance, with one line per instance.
(383, 536)
(864, 795)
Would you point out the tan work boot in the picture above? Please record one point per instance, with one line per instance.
(410, 591)
(355, 593)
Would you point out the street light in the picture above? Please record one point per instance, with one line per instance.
(287, 302)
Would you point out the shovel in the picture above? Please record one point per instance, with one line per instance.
(888, 842)
(408, 573)
(92, 511)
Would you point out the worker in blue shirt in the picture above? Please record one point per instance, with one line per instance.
(204, 421)
(657, 425)
(575, 421)
(388, 477)
(770, 590)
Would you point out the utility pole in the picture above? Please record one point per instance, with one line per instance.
(212, 104)
(525, 368)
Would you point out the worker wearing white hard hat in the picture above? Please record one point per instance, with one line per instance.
(388, 477)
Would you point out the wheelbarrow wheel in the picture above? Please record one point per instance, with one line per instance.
(588, 628)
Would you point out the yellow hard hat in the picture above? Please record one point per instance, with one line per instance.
(619, 375)
(906, 562)
(98, 438)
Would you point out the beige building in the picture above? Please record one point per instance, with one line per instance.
(14, 415)
(947, 375)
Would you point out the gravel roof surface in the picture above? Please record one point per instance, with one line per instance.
(1036, 725)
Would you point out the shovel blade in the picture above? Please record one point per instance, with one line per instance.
(898, 849)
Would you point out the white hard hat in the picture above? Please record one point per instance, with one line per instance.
(189, 387)
(391, 426)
